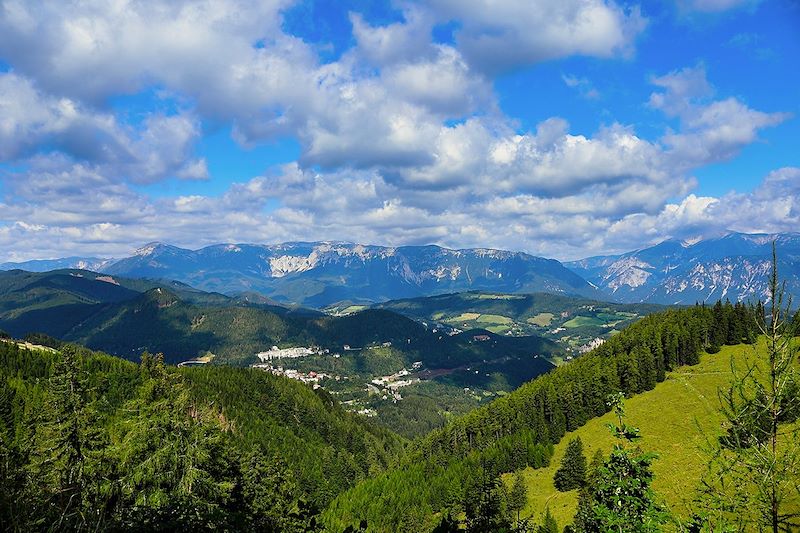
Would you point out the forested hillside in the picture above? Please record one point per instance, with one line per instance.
(93, 442)
(126, 316)
(519, 429)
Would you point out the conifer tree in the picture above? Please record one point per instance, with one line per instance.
(67, 453)
(12, 475)
(484, 504)
(719, 333)
(173, 454)
(549, 525)
(572, 472)
(619, 497)
(751, 480)
(518, 497)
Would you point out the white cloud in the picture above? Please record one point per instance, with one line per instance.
(718, 132)
(582, 85)
(773, 206)
(405, 41)
(498, 35)
(96, 48)
(711, 130)
(402, 140)
(60, 208)
(162, 146)
(682, 88)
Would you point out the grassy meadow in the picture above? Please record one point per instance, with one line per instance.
(675, 419)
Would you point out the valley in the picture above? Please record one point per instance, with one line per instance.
(452, 372)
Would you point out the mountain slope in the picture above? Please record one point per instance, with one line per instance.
(58, 302)
(99, 312)
(672, 418)
(508, 434)
(319, 274)
(734, 266)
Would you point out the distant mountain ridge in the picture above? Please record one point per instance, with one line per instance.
(321, 273)
(45, 265)
(735, 266)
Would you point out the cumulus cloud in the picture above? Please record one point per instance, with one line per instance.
(548, 191)
(773, 206)
(681, 89)
(496, 36)
(718, 131)
(162, 146)
(232, 60)
(405, 41)
(711, 130)
(401, 139)
(94, 49)
(85, 212)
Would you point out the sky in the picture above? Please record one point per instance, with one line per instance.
(562, 128)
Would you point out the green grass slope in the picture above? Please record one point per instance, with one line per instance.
(675, 418)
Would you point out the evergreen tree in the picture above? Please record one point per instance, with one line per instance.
(719, 333)
(753, 468)
(174, 456)
(68, 449)
(484, 505)
(518, 497)
(449, 524)
(12, 460)
(619, 497)
(272, 496)
(572, 472)
(549, 525)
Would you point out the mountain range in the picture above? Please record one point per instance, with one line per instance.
(735, 266)
(318, 274)
(322, 273)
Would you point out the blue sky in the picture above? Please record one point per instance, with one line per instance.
(562, 128)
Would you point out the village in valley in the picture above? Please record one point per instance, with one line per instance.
(284, 362)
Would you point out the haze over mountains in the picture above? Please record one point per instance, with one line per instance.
(322, 273)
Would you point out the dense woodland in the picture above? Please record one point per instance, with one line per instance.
(93, 442)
